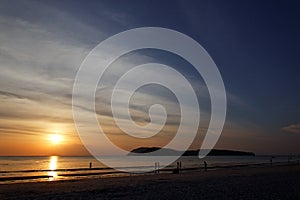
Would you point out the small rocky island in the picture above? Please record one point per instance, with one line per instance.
(170, 152)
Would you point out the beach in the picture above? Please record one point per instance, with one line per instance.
(249, 182)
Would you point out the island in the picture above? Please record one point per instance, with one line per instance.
(170, 152)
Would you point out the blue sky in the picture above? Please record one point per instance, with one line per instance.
(255, 44)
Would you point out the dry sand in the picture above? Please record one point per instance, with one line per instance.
(264, 182)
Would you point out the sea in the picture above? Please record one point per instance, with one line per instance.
(55, 168)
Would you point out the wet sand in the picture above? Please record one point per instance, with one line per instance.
(252, 182)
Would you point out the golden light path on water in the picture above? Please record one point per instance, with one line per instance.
(52, 167)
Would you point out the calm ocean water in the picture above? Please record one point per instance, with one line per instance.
(33, 169)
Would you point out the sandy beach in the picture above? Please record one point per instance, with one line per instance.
(252, 182)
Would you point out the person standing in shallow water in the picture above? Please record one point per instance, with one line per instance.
(91, 164)
(205, 165)
(271, 161)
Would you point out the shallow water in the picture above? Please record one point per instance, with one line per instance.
(64, 168)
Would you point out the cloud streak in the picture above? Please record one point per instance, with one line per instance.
(293, 128)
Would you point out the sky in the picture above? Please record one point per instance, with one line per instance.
(255, 44)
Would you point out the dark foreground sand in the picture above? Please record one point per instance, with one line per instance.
(264, 182)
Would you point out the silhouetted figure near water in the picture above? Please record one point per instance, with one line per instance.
(91, 165)
(271, 161)
(205, 165)
(180, 166)
(177, 169)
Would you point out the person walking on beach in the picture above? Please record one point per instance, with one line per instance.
(180, 167)
(205, 165)
(91, 164)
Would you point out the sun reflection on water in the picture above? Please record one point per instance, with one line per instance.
(52, 167)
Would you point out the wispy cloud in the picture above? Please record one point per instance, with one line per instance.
(293, 128)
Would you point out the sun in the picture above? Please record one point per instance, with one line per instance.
(56, 138)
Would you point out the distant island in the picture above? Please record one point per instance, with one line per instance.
(170, 152)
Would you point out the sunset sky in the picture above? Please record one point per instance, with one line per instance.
(255, 44)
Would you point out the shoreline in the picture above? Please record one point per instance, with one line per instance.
(264, 182)
(88, 172)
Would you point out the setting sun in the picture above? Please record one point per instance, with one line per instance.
(56, 138)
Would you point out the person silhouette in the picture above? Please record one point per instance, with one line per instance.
(271, 161)
(180, 166)
(205, 165)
